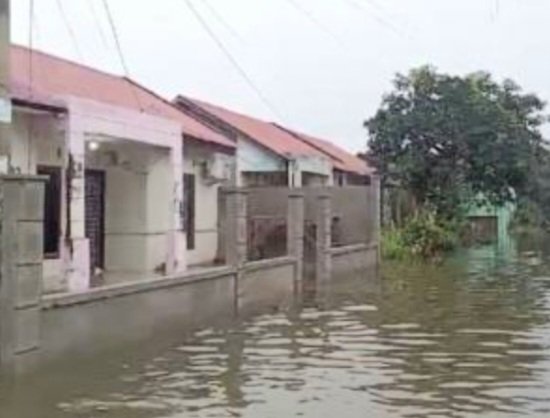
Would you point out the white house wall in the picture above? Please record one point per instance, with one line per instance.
(254, 158)
(138, 204)
(206, 205)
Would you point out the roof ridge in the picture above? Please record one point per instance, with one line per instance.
(309, 142)
(226, 109)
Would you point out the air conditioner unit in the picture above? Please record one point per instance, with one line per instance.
(218, 169)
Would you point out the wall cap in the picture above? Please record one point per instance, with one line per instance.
(63, 300)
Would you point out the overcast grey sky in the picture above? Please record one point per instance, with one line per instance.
(323, 64)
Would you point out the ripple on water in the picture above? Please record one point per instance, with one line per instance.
(439, 341)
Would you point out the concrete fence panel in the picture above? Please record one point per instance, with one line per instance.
(21, 249)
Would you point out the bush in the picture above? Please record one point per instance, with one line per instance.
(393, 245)
(423, 236)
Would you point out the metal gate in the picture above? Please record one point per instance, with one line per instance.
(95, 217)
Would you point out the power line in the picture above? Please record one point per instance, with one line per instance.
(30, 125)
(222, 21)
(382, 21)
(31, 46)
(313, 19)
(119, 50)
(230, 57)
(116, 37)
(70, 30)
(97, 22)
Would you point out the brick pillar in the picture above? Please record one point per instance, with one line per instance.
(324, 239)
(234, 228)
(295, 232)
(21, 254)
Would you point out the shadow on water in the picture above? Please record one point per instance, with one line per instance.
(470, 337)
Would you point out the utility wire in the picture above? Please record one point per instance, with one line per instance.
(116, 37)
(314, 20)
(120, 52)
(230, 57)
(222, 21)
(70, 30)
(30, 127)
(97, 22)
(31, 46)
(382, 21)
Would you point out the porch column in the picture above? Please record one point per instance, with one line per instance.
(235, 228)
(295, 231)
(77, 246)
(176, 262)
(324, 238)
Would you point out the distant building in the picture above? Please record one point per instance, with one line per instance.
(266, 155)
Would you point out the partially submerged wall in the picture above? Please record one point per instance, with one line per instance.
(45, 328)
(267, 212)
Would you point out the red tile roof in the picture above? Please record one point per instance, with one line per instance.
(56, 77)
(264, 133)
(342, 159)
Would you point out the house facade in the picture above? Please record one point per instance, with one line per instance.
(114, 156)
(348, 169)
(207, 168)
(266, 155)
(134, 180)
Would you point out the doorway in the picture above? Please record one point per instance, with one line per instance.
(95, 218)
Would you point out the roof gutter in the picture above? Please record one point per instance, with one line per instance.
(42, 107)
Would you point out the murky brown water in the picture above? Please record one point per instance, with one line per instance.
(470, 338)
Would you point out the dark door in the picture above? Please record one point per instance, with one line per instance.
(52, 210)
(189, 209)
(95, 217)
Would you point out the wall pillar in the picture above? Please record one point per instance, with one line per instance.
(176, 261)
(235, 228)
(21, 253)
(77, 251)
(295, 232)
(324, 238)
(376, 210)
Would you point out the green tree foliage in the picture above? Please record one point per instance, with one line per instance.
(449, 138)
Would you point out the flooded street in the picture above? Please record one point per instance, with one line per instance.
(468, 338)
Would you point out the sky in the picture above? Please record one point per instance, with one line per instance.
(319, 66)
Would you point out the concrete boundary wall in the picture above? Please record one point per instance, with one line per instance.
(133, 313)
(37, 329)
(354, 258)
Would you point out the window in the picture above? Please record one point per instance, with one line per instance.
(52, 210)
(189, 209)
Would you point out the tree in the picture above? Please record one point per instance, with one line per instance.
(449, 138)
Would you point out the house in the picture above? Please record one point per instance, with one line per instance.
(489, 223)
(348, 169)
(266, 154)
(114, 155)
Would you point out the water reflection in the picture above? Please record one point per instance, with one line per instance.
(468, 338)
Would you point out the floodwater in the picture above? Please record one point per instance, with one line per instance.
(467, 338)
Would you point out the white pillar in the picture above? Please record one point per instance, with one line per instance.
(77, 247)
(176, 257)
